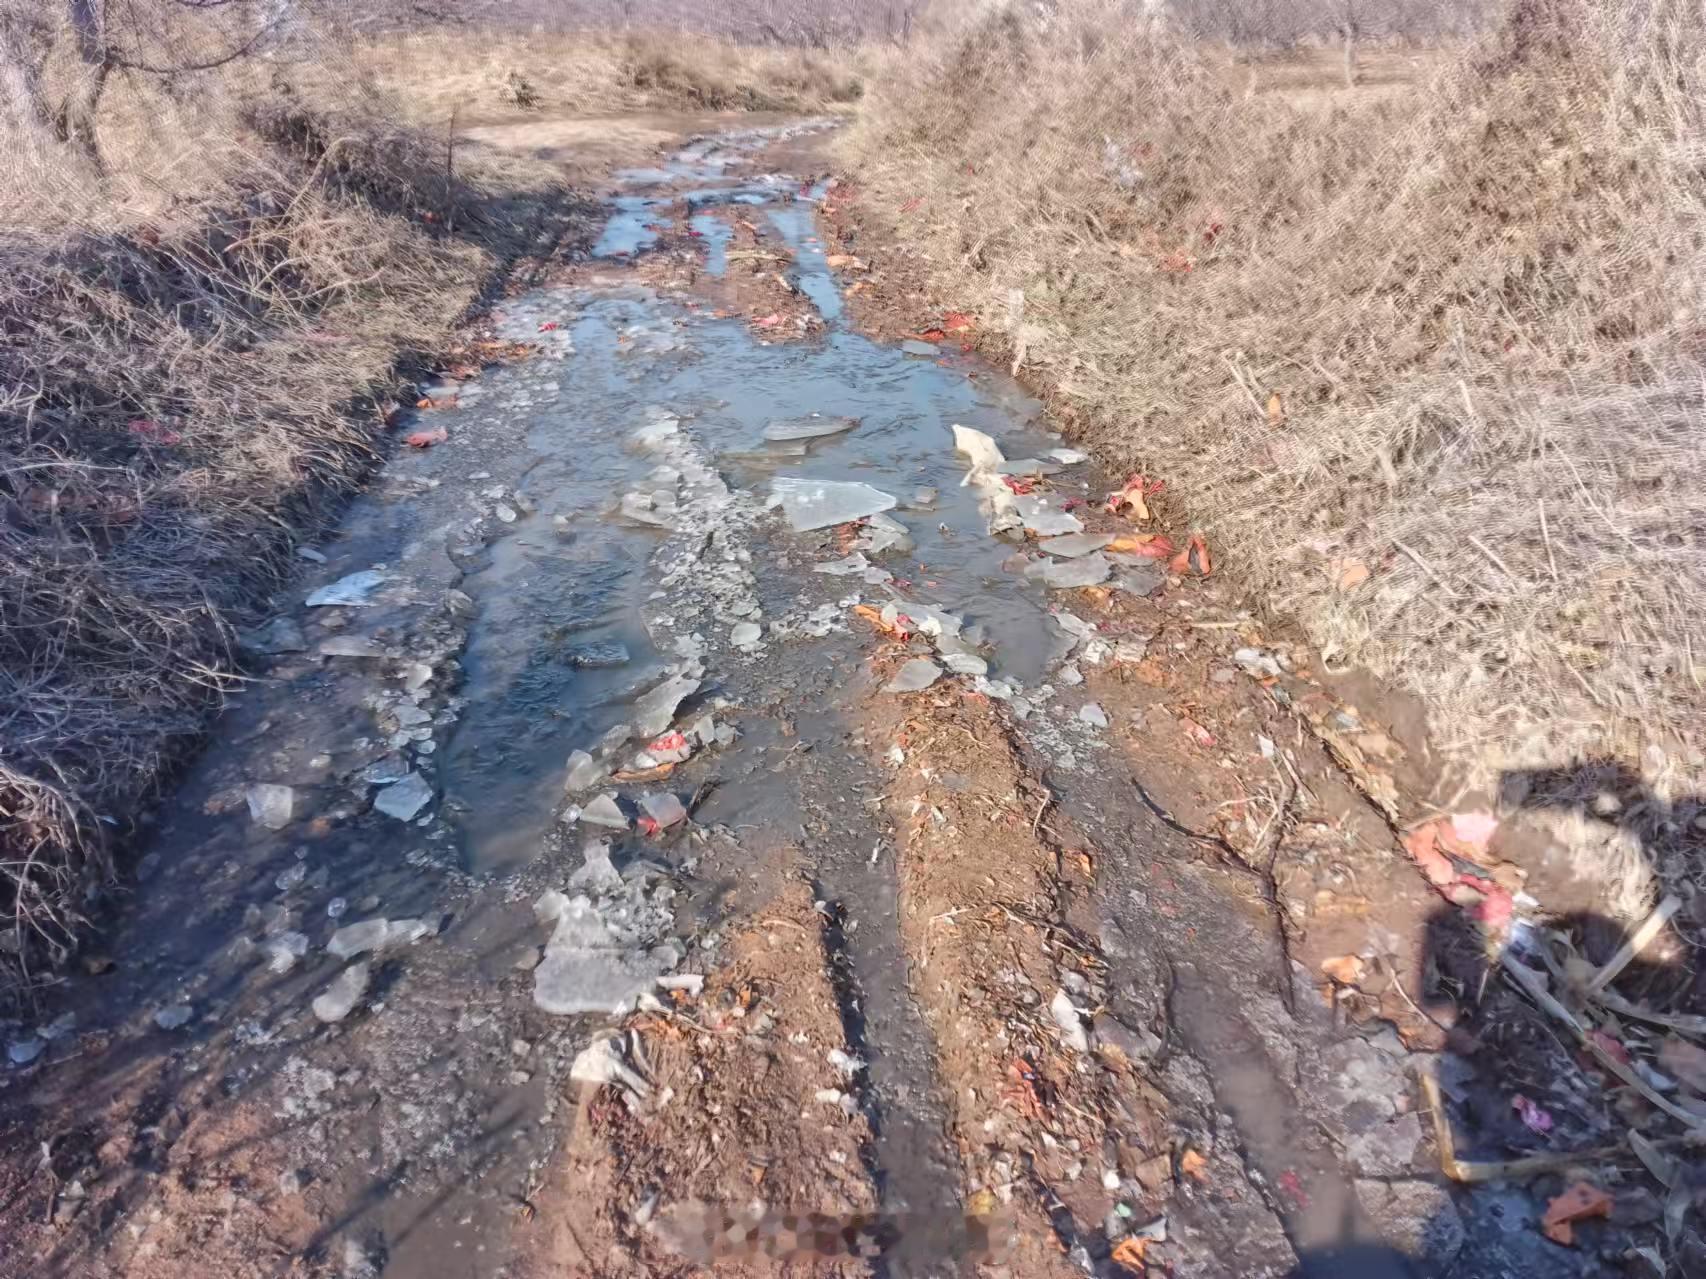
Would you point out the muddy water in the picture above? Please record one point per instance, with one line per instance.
(575, 573)
(541, 612)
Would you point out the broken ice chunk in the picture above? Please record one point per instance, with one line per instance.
(979, 448)
(1074, 544)
(812, 504)
(914, 677)
(1043, 520)
(355, 590)
(605, 811)
(884, 534)
(655, 711)
(809, 427)
(1088, 570)
(585, 772)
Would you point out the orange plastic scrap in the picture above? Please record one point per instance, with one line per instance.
(1579, 1202)
(1181, 563)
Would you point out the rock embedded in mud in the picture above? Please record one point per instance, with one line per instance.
(404, 799)
(281, 635)
(815, 504)
(271, 805)
(1416, 1217)
(914, 676)
(341, 997)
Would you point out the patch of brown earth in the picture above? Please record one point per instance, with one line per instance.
(746, 1119)
(1009, 989)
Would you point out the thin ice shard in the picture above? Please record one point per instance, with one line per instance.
(812, 504)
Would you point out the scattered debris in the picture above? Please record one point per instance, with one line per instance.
(1579, 1202)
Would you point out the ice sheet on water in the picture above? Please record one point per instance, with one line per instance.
(1088, 570)
(809, 427)
(813, 504)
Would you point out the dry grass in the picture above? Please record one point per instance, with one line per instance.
(1479, 304)
(200, 309)
(499, 77)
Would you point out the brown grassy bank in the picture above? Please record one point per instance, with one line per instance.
(495, 75)
(1427, 364)
(209, 281)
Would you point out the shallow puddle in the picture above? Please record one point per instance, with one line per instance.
(578, 572)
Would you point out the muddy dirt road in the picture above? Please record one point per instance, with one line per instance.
(737, 800)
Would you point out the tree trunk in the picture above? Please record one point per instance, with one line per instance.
(76, 122)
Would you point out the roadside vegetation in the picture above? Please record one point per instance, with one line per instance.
(1421, 357)
(227, 234)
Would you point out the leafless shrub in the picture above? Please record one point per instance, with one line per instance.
(1477, 302)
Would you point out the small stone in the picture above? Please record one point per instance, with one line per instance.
(1093, 715)
(1418, 1218)
(174, 1016)
(345, 992)
(281, 635)
(505, 513)
(914, 676)
(404, 799)
(1387, 1149)
(1111, 1034)
(271, 805)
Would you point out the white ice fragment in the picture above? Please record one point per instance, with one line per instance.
(353, 590)
(813, 504)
